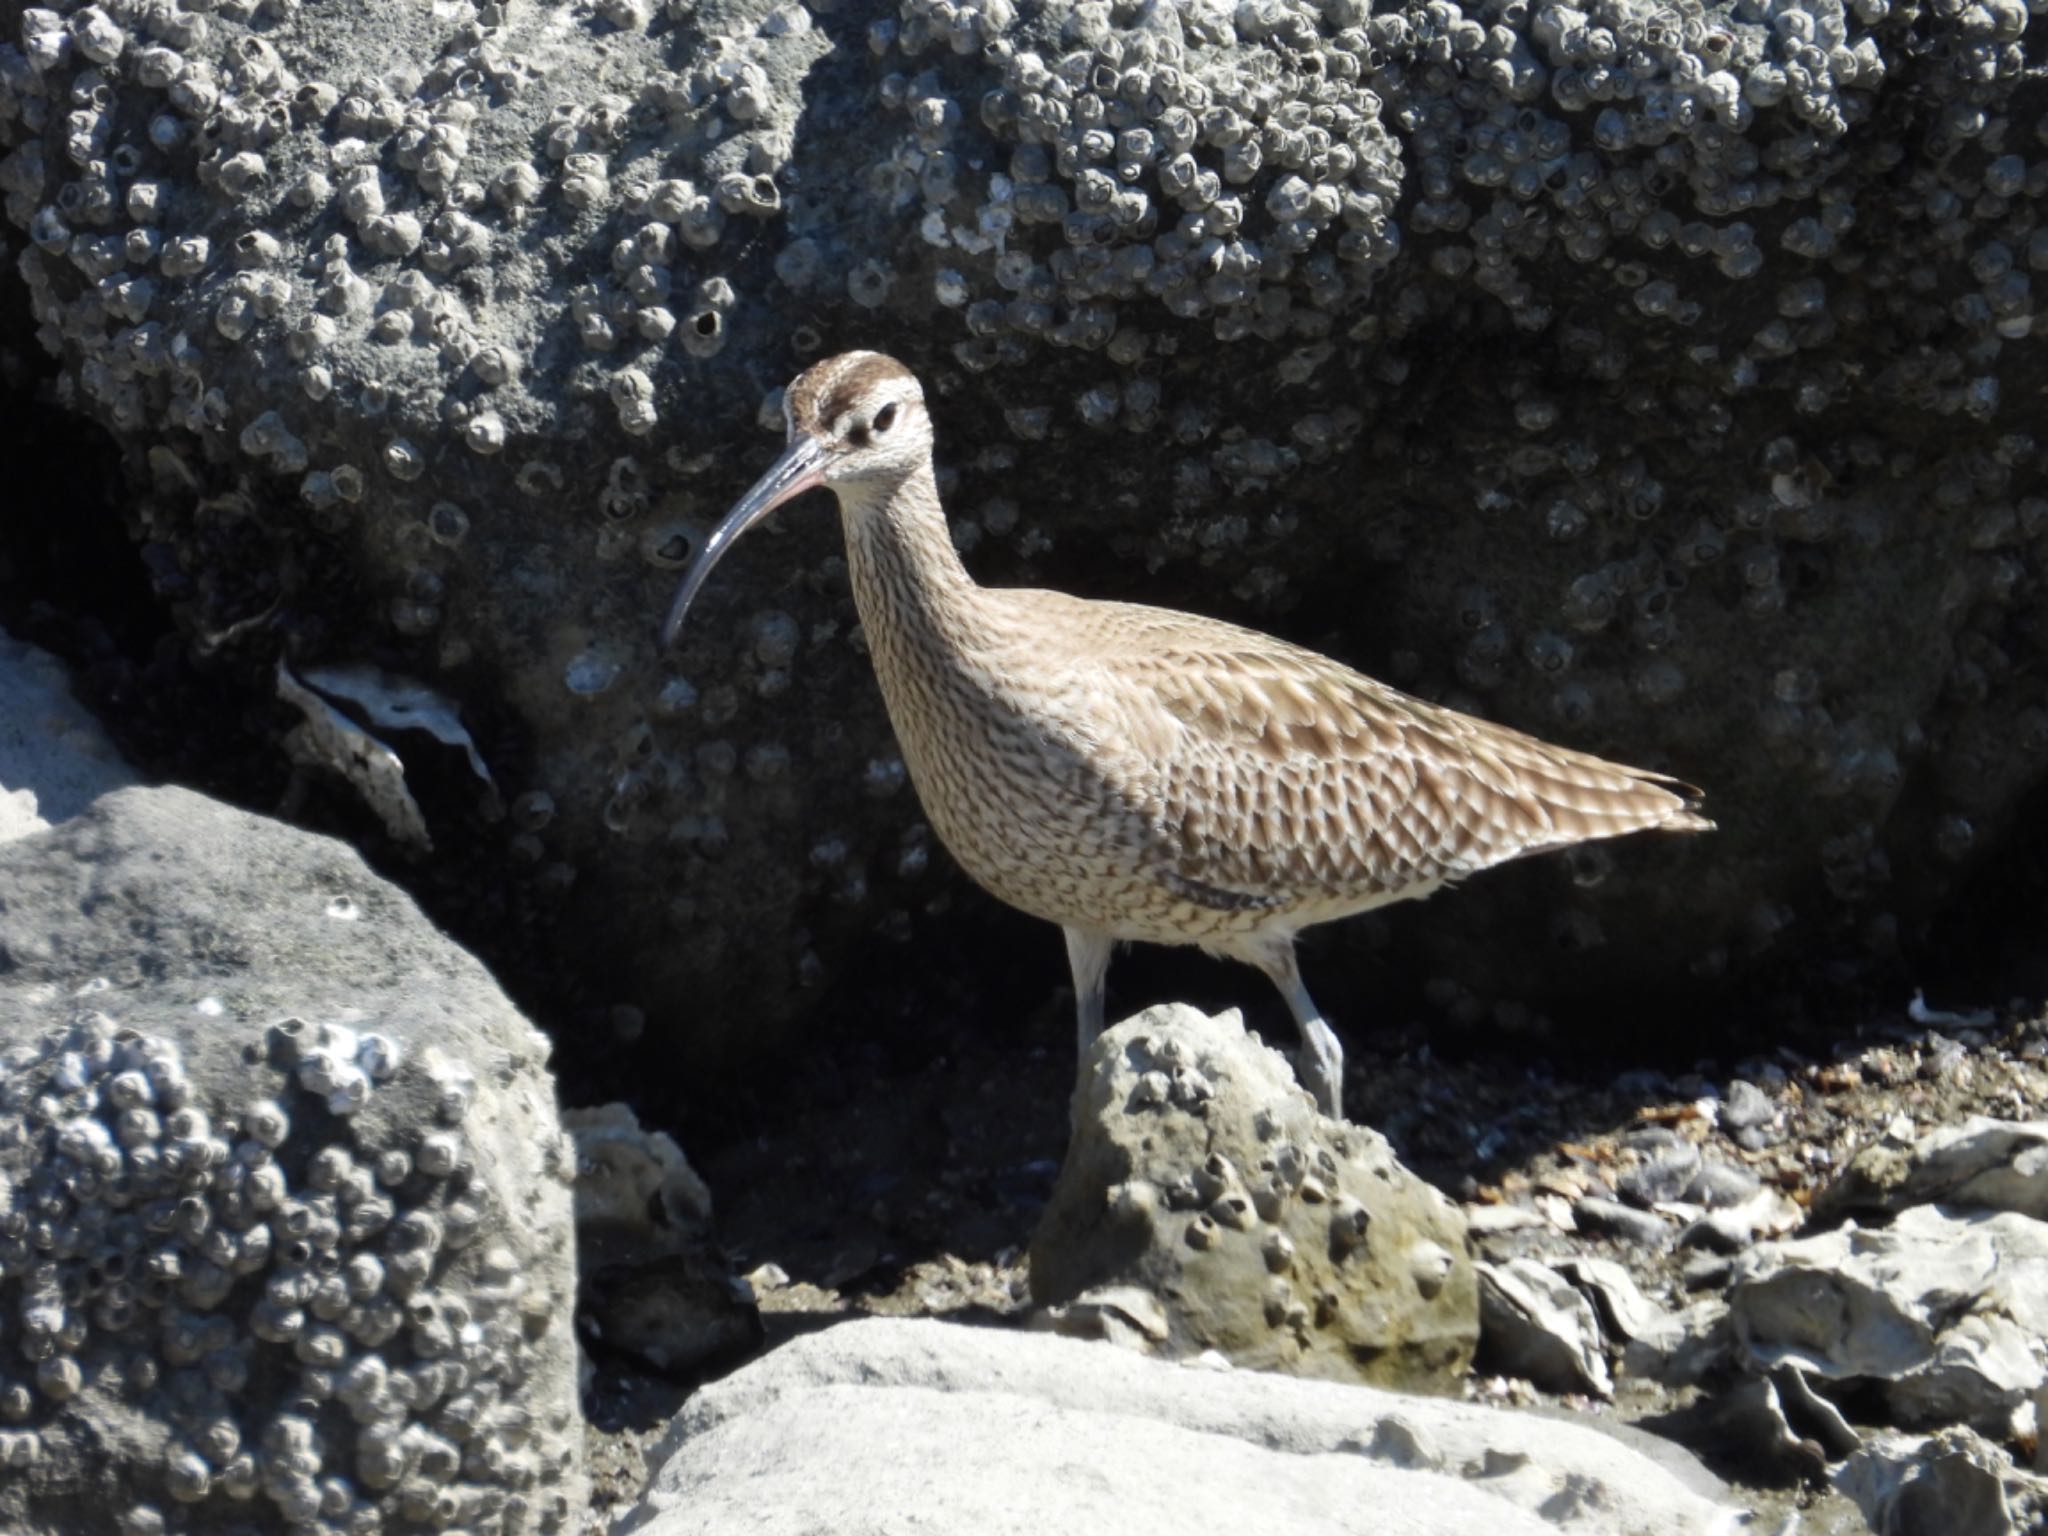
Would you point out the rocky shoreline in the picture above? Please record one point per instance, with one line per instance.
(1828, 1278)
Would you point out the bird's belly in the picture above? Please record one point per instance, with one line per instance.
(1047, 838)
(1049, 824)
(1032, 842)
(1105, 869)
(1034, 825)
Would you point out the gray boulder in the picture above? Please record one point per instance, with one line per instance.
(285, 1233)
(973, 1429)
(1199, 1174)
(1653, 377)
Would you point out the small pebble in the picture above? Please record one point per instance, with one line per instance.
(1718, 1185)
(1707, 1271)
(1482, 1219)
(1721, 1232)
(1746, 1106)
(1623, 1221)
(1665, 1175)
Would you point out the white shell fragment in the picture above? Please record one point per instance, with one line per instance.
(329, 739)
(400, 704)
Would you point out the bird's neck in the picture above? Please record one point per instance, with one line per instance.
(915, 598)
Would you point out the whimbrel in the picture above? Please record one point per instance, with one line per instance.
(1134, 773)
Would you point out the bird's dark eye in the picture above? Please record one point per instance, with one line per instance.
(885, 418)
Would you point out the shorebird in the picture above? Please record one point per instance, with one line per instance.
(1134, 773)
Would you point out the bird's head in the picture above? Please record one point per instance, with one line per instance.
(856, 421)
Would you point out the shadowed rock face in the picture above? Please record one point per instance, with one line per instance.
(1651, 378)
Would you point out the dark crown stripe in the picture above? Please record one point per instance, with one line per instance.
(826, 391)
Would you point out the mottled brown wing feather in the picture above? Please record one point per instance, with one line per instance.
(1273, 768)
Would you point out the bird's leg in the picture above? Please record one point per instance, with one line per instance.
(1088, 954)
(1321, 1069)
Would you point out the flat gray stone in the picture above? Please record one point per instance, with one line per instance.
(895, 1425)
(1625, 1221)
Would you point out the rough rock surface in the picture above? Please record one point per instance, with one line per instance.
(1802, 1360)
(1685, 351)
(1004, 1432)
(1952, 1484)
(1999, 1165)
(1943, 1312)
(935, 1172)
(652, 1280)
(285, 1235)
(55, 759)
(1200, 1175)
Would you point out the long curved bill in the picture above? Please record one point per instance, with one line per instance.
(801, 467)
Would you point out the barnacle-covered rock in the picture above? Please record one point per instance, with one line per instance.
(1699, 335)
(1199, 1174)
(285, 1231)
